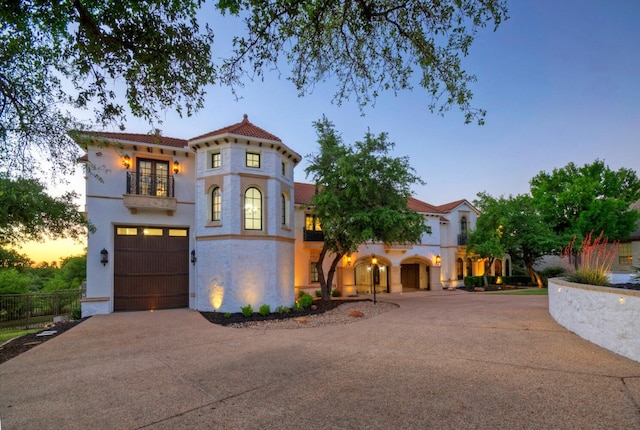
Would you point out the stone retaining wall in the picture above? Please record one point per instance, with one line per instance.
(608, 317)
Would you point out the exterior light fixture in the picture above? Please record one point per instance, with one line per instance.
(374, 263)
(126, 162)
(438, 260)
(176, 167)
(349, 260)
(104, 256)
(193, 257)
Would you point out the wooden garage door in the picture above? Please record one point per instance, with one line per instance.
(151, 268)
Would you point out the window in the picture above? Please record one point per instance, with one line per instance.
(253, 160)
(469, 267)
(312, 223)
(314, 272)
(153, 232)
(216, 204)
(463, 226)
(285, 209)
(216, 160)
(284, 168)
(460, 268)
(178, 232)
(625, 255)
(127, 231)
(252, 209)
(152, 178)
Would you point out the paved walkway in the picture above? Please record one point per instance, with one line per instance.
(442, 360)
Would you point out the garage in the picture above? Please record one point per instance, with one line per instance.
(151, 268)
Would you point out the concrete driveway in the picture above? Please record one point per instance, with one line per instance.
(442, 360)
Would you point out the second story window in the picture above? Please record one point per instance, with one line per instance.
(312, 223)
(252, 209)
(151, 178)
(463, 226)
(216, 160)
(253, 160)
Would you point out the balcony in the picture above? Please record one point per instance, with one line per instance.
(312, 235)
(462, 239)
(150, 192)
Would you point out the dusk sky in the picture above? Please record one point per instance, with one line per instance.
(560, 81)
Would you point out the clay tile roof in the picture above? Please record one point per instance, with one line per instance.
(151, 139)
(450, 206)
(420, 206)
(243, 128)
(303, 192)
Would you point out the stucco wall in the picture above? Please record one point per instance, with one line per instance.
(608, 317)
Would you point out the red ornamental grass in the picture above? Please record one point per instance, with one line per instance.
(596, 259)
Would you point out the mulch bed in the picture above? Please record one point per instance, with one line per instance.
(318, 307)
(24, 343)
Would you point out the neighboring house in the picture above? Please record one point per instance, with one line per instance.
(628, 258)
(217, 222)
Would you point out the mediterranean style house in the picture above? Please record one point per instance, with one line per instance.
(217, 222)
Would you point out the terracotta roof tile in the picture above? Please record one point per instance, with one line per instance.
(303, 193)
(450, 206)
(243, 128)
(151, 139)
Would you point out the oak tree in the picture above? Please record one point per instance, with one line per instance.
(361, 195)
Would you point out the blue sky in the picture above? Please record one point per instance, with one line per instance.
(560, 81)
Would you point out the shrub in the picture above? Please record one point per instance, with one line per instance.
(264, 310)
(335, 293)
(283, 309)
(227, 315)
(76, 314)
(304, 300)
(591, 263)
(318, 293)
(247, 311)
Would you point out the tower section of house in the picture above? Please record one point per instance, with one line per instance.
(140, 199)
(244, 227)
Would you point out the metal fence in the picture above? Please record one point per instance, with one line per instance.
(36, 310)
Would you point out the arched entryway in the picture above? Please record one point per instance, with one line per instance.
(368, 276)
(415, 275)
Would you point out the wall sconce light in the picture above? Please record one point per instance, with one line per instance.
(349, 260)
(438, 260)
(176, 167)
(374, 260)
(193, 257)
(104, 257)
(126, 162)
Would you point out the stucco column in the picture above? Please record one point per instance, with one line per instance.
(436, 284)
(348, 287)
(395, 280)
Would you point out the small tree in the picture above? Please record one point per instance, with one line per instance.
(361, 195)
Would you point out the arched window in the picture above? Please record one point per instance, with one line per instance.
(216, 204)
(469, 267)
(285, 209)
(252, 209)
(460, 268)
(497, 268)
(463, 225)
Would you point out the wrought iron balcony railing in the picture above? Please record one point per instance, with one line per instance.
(312, 235)
(462, 239)
(145, 184)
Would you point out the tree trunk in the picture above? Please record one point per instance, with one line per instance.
(535, 277)
(487, 267)
(326, 282)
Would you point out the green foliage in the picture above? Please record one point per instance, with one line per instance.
(61, 55)
(361, 195)
(474, 281)
(516, 280)
(76, 314)
(318, 293)
(304, 300)
(12, 258)
(264, 310)
(227, 315)
(335, 293)
(247, 311)
(28, 213)
(366, 46)
(577, 200)
(72, 274)
(553, 272)
(283, 309)
(14, 282)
